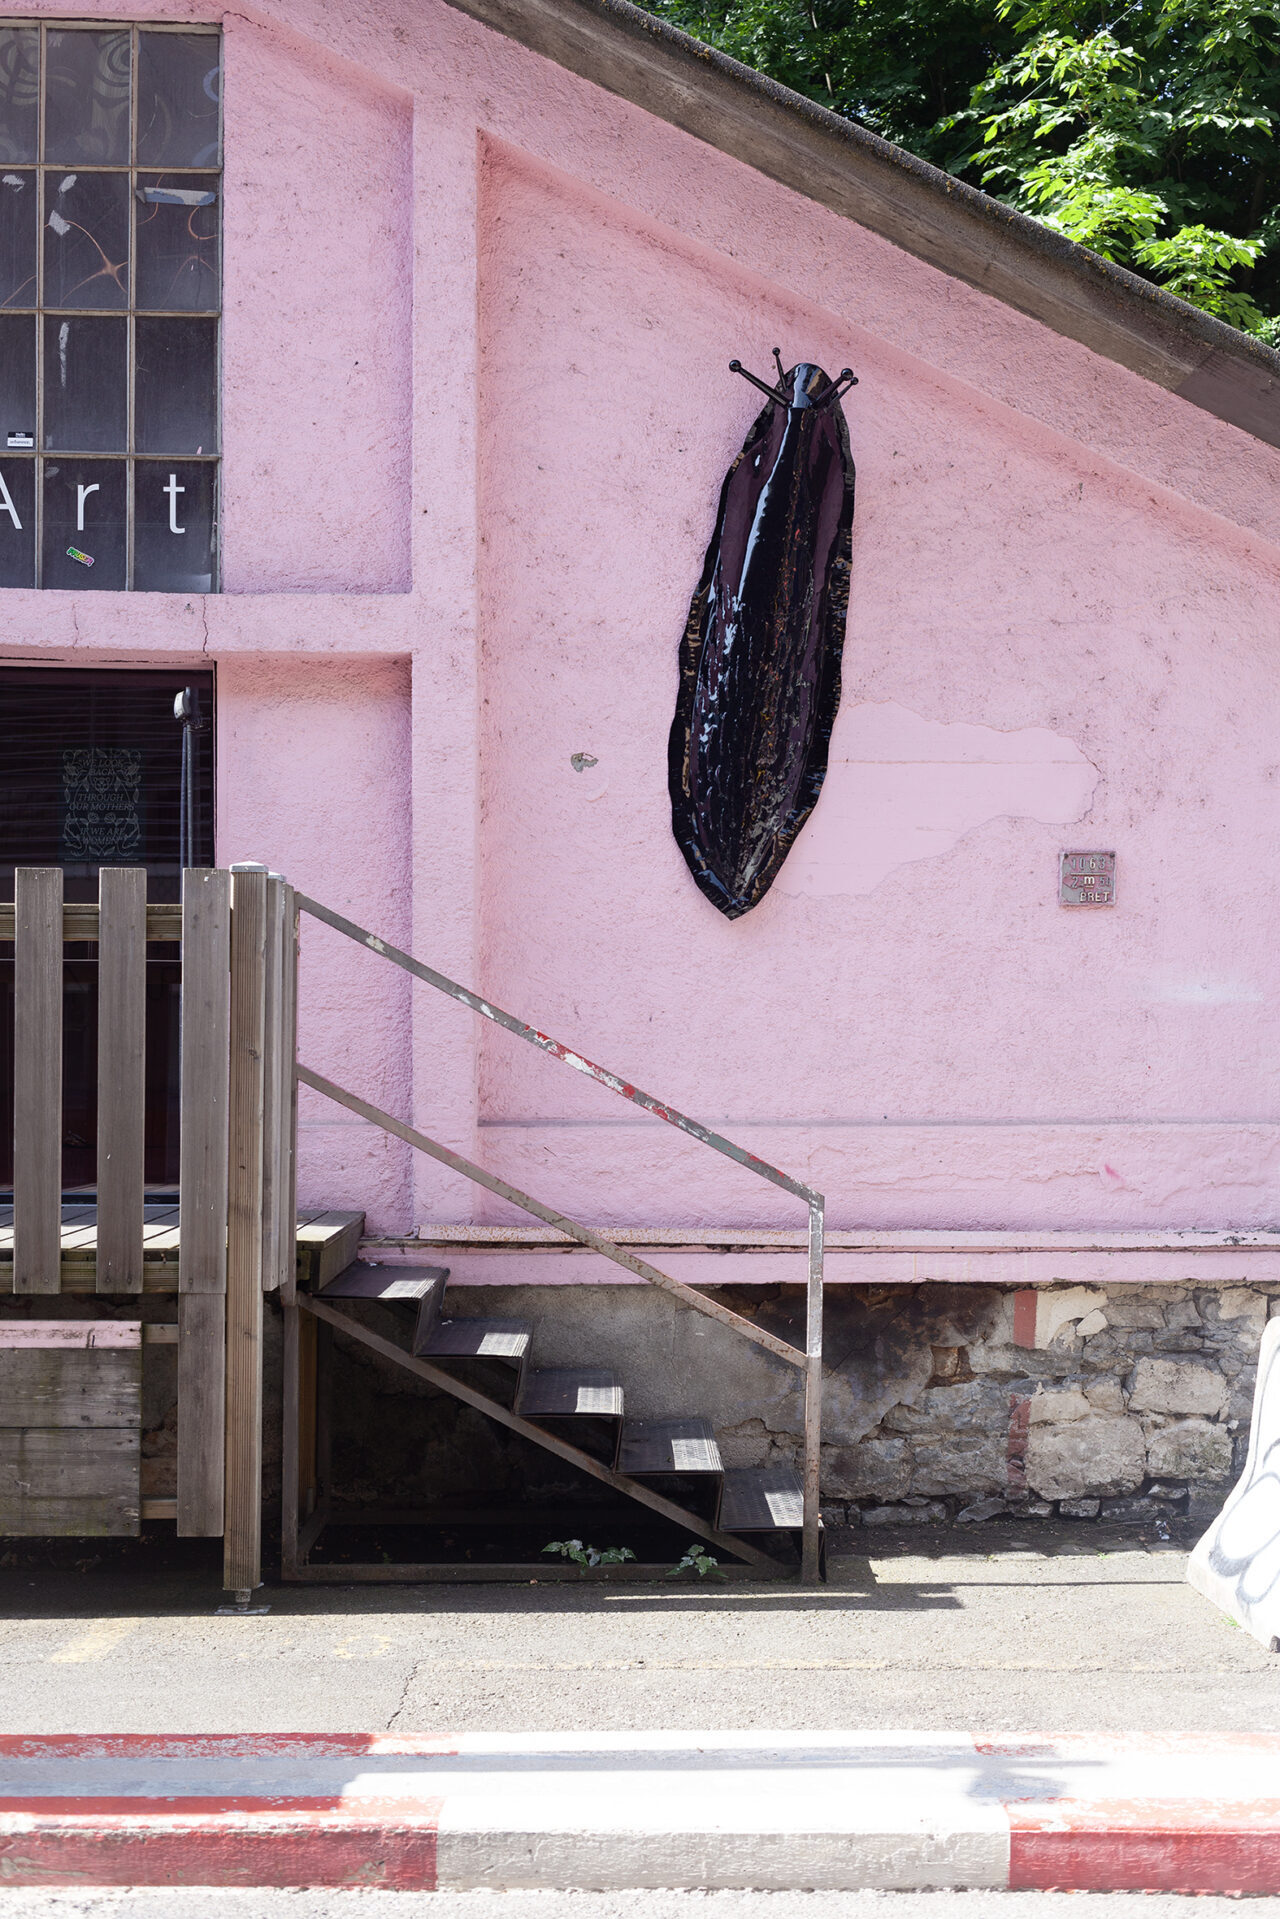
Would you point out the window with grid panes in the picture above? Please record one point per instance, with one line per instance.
(110, 204)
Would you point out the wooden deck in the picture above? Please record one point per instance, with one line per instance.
(327, 1243)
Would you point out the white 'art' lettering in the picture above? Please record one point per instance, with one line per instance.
(7, 506)
(173, 490)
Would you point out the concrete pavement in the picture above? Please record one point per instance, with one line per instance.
(1084, 1633)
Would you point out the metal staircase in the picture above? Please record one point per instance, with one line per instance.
(577, 1414)
(672, 1466)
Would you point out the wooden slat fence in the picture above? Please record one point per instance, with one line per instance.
(234, 1233)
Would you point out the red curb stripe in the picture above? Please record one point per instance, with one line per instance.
(1152, 1861)
(296, 1849)
(1146, 1846)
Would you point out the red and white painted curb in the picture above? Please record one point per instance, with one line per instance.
(1194, 1812)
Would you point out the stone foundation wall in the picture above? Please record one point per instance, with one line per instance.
(1135, 1404)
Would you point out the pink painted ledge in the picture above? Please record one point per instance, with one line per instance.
(736, 1256)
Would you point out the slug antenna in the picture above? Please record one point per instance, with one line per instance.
(838, 387)
(736, 366)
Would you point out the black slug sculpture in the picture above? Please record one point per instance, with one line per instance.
(760, 657)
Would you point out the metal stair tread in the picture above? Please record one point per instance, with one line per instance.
(566, 1392)
(668, 1446)
(759, 1499)
(479, 1339)
(363, 1281)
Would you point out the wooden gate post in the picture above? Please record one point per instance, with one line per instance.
(242, 1542)
(37, 1080)
(202, 1206)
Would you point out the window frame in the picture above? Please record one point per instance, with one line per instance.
(131, 457)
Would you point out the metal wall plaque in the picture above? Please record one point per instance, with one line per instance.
(1087, 879)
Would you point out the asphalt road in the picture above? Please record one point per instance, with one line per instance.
(166, 1903)
(970, 1634)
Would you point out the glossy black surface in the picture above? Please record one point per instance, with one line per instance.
(760, 657)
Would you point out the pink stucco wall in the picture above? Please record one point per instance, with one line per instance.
(477, 411)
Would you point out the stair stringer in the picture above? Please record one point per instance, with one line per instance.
(493, 1409)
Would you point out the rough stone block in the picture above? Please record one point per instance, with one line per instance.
(1080, 1508)
(1190, 1449)
(1092, 1324)
(972, 1406)
(961, 1463)
(932, 1513)
(1058, 1408)
(1135, 1507)
(1177, 1386)
(1058, 1308)
(980, 1510)
(1241, 1303)
(1015, 1362)
(748, 1444)
(1182, 1339)
(1105, 1395)
(1100, 1454)
(874, 1469)
(1243, 1386)
(1131, 1310)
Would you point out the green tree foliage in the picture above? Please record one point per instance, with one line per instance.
(1149, 134)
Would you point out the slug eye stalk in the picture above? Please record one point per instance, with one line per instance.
(774, 393)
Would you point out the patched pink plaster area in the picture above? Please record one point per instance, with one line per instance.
(900, 788)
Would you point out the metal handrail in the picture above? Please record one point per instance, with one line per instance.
(810, 1360)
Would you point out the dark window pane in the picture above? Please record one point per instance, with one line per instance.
(178, 88)
(86, 240)
(19, 92)
(17, 381)
(19, 220)
(86, 384)
(86, 106)
(84, 510)
(177, 242)
(17, 522)
(175, 386)
(173, 526)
